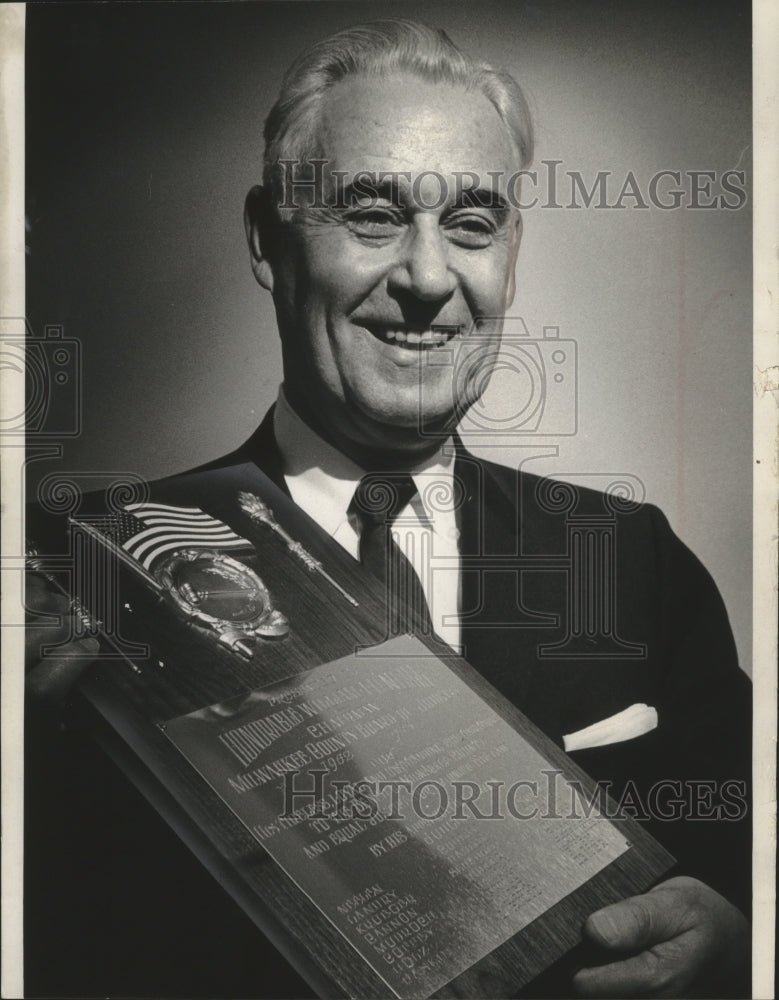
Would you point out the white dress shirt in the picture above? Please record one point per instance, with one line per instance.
(322, 481)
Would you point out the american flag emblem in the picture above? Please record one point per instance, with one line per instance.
(147, 531)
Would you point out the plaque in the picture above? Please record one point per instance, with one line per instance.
(386, 819)
(426, 829)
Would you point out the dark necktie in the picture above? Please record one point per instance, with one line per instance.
(377, 501)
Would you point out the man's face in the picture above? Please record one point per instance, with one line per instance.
(375, 299)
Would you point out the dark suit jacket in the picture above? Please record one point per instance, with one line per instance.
(577, 606)
(572, 609)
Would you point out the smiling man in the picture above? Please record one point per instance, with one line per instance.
(387, 232)
(367, 282)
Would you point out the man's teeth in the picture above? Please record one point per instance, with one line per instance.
(417, 338)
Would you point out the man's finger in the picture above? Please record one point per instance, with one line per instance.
(639, 922)
(50, 681)
(41, 599)
(50, 623)
(650, 974)
(48, 618)
(39, 636)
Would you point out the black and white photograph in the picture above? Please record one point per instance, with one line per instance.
(380, 442)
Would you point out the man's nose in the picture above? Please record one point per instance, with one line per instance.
(423, 269)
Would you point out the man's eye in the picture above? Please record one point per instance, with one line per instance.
(470, 231)
(373, 222)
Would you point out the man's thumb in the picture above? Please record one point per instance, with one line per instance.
(50, 682)
(633, 924)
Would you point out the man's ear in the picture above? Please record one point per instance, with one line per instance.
(511, 284)
(256, 215)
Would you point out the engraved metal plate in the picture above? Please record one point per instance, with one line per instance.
(425, 885)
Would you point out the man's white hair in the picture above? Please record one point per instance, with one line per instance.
(377, 49)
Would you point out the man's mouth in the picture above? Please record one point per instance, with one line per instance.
(412, 338)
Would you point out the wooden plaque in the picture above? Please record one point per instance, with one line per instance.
(419, 902)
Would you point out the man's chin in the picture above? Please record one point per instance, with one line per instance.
(410, 428)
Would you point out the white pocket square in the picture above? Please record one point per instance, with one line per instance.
(625, 725)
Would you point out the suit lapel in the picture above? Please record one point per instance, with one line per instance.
(498, 629)
(261, 448)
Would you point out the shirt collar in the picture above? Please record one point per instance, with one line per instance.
(322, 480)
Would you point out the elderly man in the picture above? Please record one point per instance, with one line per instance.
(387, 232)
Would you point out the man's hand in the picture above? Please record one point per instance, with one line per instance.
(49, 679)
(681, 939)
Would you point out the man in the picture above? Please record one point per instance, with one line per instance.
(395, 256)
